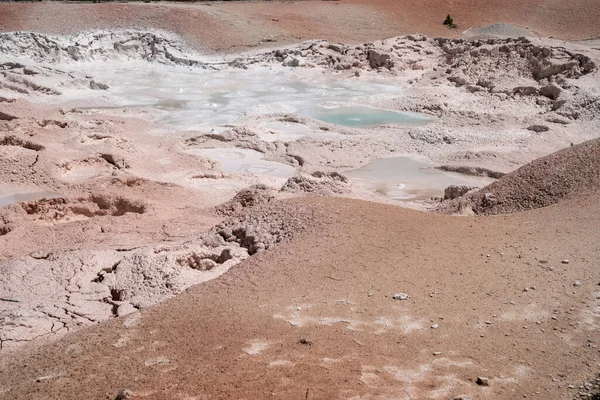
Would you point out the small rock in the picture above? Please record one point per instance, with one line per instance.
(435, 326)
(258, 247)
(455, 191)
(565, 261)
(538, 128)
(551, 91)
(339, 48)
(124, 394)
(462, 397)
(481, 381)
(125, 309)
(98, 85)
(460, 79)
(577, 283)
(290, 61)
(437, 353)
(488, 200)
(378, 59)
(400, 296)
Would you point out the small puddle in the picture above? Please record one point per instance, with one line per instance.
(6, 200)
(405, 178)
(363, 116)
(245, 161)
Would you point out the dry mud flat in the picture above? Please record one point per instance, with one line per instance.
(135, 216)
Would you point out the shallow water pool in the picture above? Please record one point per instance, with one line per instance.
(191, 97)
(407, 178)
(363, 116)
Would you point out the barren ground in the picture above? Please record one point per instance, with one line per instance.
(132, 257)
(503, 304)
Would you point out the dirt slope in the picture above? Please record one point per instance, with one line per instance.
(231, 26)
(315, 318)
(567, 173)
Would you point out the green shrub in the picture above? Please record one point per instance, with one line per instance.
(449, 21)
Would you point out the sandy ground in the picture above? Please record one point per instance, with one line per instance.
(131, 215)
(488, 297)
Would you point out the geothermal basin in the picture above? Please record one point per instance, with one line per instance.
(191, 98)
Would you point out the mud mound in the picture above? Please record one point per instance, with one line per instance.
(479, 60)
(567, 173)
(529, 68)
(319, 183)
(247, 198)
(260, 228)
(127, 44)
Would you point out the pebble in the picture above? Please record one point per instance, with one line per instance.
(437, 353)
(481, 381)
(124, 394)
(400, 296)
(577, 283)
(565, 261)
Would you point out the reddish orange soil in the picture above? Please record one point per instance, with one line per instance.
(232, 26)
(315, 318)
